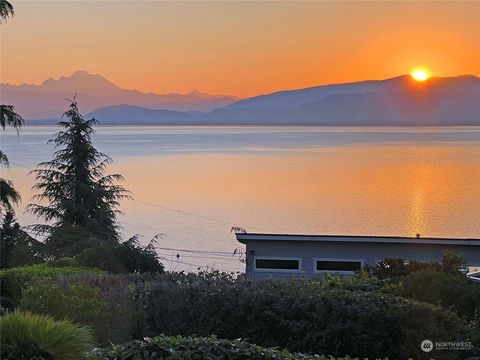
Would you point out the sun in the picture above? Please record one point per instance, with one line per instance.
(420, 74)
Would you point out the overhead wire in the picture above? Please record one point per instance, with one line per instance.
(196, 265)
(205, 254)
(178, 211)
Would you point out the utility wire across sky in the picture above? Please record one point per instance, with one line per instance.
(178, 211)
(174, 258)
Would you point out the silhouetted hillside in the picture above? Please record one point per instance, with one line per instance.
(48, 99)
(395, 101)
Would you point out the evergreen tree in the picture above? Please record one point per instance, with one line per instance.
(8, 194)
(8, 117)
(6, 10)
(78, 193)
(17, 248)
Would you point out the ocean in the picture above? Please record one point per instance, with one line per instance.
(193, 184)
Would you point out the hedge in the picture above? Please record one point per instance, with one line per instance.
(103, 302)
(301, 316)
(444, 289)
(360, 317)
(14, 279)
(165, 347)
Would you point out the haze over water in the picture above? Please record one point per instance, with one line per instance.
(359, 181)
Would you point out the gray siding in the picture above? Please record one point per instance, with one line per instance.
(368, 253)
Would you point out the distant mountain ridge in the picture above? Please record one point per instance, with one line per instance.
(392, 102)
(47, 100)
(396, 101)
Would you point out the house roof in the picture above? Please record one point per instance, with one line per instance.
(246, 237)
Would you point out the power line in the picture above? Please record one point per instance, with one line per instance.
(205, 254)
(196, 265)
(178, 211)
(208, 255)
(188, 213)
(177, 256)
(194, 251)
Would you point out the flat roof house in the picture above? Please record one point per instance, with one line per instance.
(281, 256)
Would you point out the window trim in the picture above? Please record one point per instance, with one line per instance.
(337, 272)
(299, 259)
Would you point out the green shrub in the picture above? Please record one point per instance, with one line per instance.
(14, 279)
(28, 336)
(360, 316)
(164, 348)
(110, 304)
(300, 315)
(17, 247)
(110, 255)
(124, 257)
(393, 267)
(103, 302)
(474, 335)
(64, 261)
(444, 289)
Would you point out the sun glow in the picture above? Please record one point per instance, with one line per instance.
(420, 74)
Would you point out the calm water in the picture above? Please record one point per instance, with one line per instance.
(194, 183)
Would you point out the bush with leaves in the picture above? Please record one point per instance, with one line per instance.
(439, 283)
(123, 257)
(299, 315)
(360, 316)
(25, 336)
(17, 247)
(69, 240)
(14, 279)
(444, 289)
(474, 335)
(393, 267)
(178, 347)
(103, 302)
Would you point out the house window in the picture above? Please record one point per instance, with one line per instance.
(277, 264)
(339, 266)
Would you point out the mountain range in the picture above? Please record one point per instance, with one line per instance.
(395, 101)
(47, 100)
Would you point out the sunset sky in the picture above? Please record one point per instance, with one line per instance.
(238, 48)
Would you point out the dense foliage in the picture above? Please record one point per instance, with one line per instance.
(74, 185)
(360, 316)
(443, 289)
(178, 347)
(103, 302)
(25, 336)
(6, 10)
(8, 117)
(17, 247)
(14, 279)
(122, 257)
(300, 316)
(80, 203)
(9, 196)
(395, 267)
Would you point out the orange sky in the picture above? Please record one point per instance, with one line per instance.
(238, 48)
